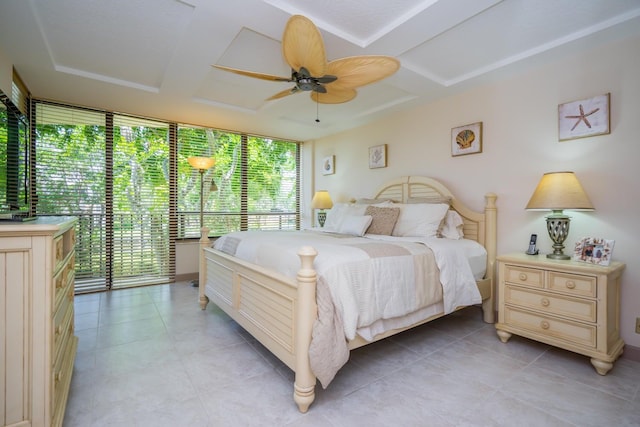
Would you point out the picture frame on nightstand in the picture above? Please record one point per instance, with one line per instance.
(594, 250)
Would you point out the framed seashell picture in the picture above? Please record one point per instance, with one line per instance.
(327, 165)
(466, 139)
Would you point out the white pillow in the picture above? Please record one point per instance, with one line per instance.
(420, 219)
(334, 216)
(340, 211)
(356, 225)
(452, 227)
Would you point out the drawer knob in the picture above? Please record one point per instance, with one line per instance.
(571, 284)
(545, 302)
(544, 324)
(523, 277)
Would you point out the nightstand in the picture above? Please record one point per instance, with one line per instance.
(567, 304)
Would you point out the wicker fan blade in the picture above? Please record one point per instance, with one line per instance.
(334, 95)
(284, 93)
(255, 75)
(358, 71)
(302, 46)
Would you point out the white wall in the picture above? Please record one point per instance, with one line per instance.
(520, 143)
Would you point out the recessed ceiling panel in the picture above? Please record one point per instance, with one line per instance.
(520, 28)
(359, 21)
(118, 39)
(249, 51)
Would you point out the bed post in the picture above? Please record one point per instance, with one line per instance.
(306, 313)
(491, 241)
(202, 272)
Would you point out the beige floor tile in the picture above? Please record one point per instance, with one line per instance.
(150, 357)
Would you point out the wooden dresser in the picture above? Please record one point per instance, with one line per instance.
(37, 270)
(567, 304)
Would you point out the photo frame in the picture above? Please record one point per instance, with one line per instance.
(378, 156)
(594, 250)
(584, 118)
(328, 165)
(466, 139)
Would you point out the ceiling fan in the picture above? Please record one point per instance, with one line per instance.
(331, 82)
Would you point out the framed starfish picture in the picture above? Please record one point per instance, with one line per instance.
(587, 117)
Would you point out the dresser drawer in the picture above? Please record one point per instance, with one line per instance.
(58, 251)
(524, 276)
(573, 284)
(572, 332)
(61, 379)
(65, 275)
(62, 325)
(575, 308)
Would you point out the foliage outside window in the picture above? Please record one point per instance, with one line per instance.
(128, 181)
(253, 184)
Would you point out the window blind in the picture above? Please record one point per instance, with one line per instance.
(129, 182)
(254, 184)
(111, 171)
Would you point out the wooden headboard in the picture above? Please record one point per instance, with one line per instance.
(478, 226)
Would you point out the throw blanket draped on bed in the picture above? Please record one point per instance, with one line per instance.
(360, 280)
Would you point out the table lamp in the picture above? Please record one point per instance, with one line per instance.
(558, 191)
(321, 200)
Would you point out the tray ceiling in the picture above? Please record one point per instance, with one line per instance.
(153, 57)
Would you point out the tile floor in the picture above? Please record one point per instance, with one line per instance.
(150, 357)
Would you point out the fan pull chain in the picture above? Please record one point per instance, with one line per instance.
(317, 107)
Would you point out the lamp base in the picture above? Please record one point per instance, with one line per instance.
(558, 228)
(322, 217)
(558, 256)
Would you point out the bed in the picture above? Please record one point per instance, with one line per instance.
(280, 310)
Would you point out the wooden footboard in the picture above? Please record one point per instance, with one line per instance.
(276, 310)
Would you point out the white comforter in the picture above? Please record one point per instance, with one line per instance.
(368, 278)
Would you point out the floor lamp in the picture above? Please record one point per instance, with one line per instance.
(202, 164)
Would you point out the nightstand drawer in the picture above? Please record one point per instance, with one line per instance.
(524, 276)
(573, 284)
(572, 332)
(575, 308)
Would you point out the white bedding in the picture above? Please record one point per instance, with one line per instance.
(384, 274)
(277, 250)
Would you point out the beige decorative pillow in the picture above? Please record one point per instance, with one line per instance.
(382, 219)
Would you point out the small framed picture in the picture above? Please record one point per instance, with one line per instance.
(593, 250)
(466, 139)
(587, 117)
(327, 165)
(378, 156)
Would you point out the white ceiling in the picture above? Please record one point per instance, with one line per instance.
(153, 57)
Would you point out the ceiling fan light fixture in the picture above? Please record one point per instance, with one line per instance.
(303, 49)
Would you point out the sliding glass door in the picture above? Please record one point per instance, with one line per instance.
(112, 172)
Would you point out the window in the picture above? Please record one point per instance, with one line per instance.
(254, 183)
(128, 181)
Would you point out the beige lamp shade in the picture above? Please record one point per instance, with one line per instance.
(321, 200)
(558, 191)
(201, 163)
